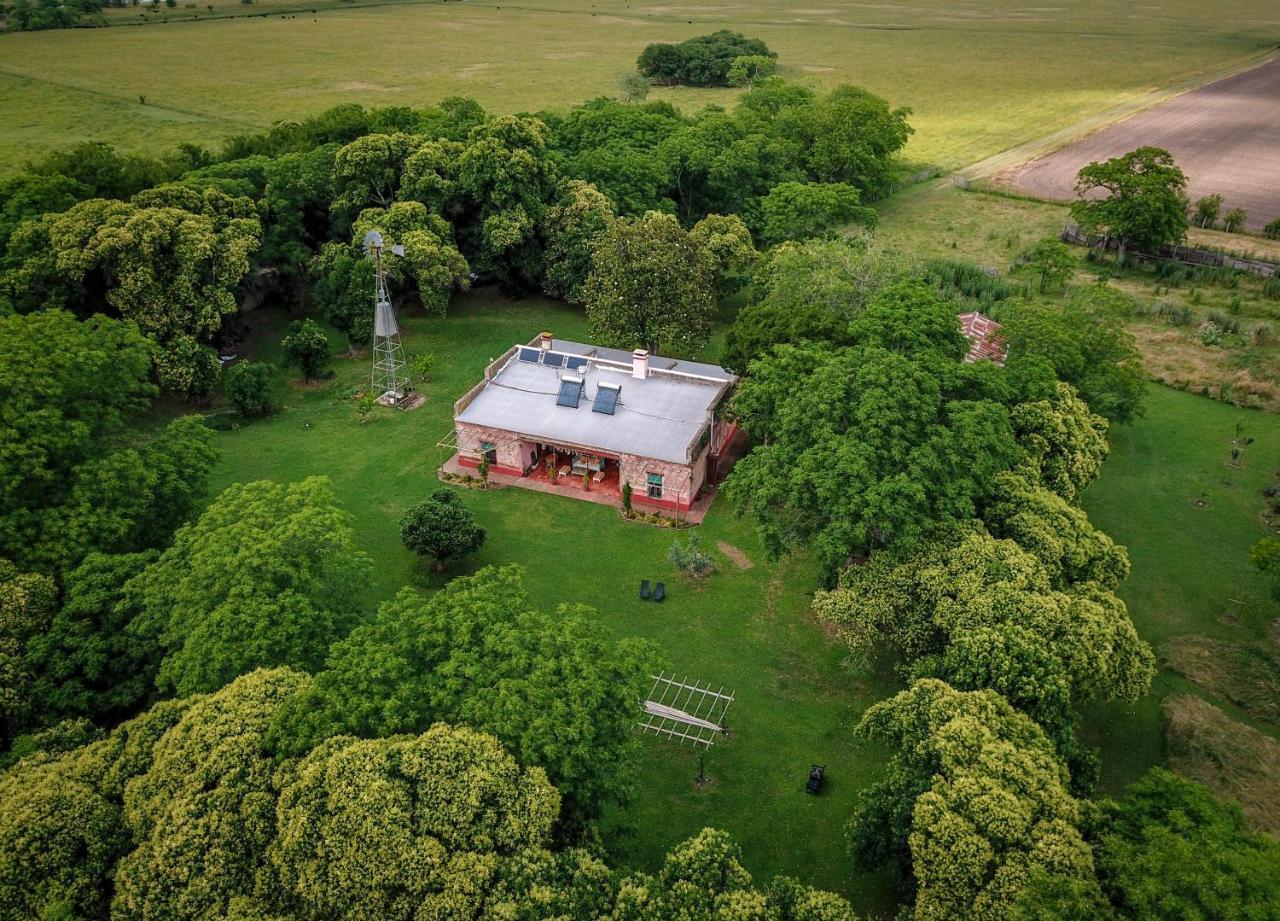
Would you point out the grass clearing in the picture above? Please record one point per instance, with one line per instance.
(1248, 677)
(979, 79)
(1188, 520)
(746, 628)
(1232, 759)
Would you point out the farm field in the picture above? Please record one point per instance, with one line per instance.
(749, 630)
(1225, 136)
(979, 79)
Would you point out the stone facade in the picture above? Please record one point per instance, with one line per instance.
(515, 455)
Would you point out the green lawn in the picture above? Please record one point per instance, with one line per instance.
(1188, 520)
(749, 631)
(979, 79)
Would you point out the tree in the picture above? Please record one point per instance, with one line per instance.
(868, 446)
(746, 69)
(851, 136)
(978, 795)
(307, 347)
(201, 817)
(1057, 532)
(87, 663)
(366, 172)
(1087, 345)
(1171, 849)
(507, 179)
(1145, 202)
(342, 289)
(1233, 220)
(706, 60)
(807, 291)
(554, 688)
(249, 388)
(393, 828)
(62, 823)
(726, 241)
(27, 605)
(977, 593)
(269, 575)
(431, 262)
(172, 271)
(573, 225)
(651, 285)
(442, 528)
(1051, 261)
(1207, 209)
(801, 210)
(1064, 444)
(1272, 230)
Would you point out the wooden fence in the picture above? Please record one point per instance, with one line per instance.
(1187, 255)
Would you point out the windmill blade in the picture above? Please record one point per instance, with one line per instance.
(372, 240)
(397, 250)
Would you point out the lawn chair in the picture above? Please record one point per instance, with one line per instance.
(644, 589)
(659, 592)
(816, 773)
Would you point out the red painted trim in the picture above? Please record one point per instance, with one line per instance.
(474, 462)
(672, 504)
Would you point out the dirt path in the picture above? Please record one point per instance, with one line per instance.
(740, 559)
(1225, 136)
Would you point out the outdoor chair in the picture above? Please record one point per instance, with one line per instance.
(659, 591)
(644, 589)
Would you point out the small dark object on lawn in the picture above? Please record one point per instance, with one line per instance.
(644, 589)
(659, 591)
(815, 778)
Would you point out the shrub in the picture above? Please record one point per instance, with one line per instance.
(1207, 209)
(307, 347)
(1272, 230)
(441, 528)
(248, 387)
(689, 557)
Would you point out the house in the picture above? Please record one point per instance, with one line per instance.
(983, 334)
(579, 416)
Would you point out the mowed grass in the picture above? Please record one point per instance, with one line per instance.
(980, 78)
(1188, 518)
(746, 630)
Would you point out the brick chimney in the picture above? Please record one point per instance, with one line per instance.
(640, 364)
(545, 341)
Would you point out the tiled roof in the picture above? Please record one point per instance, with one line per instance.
(983, 334)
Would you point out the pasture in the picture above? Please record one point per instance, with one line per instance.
(979, 79)
(1225, 136)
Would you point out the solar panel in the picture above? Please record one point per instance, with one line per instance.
(575, 362)
(606, 398)
(570, 391)
(530, 355)
(553, 359)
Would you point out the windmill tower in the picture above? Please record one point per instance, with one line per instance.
(389, 379)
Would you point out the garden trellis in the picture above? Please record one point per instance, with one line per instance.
(685, 712)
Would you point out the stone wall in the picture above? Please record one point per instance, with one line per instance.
(514, 455)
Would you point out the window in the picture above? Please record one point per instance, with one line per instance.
(489, 450)
(654, 481)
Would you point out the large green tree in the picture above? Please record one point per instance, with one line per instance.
(72, 479)
(801, 210)
(554, 689)
(651, 286)
(1171, 849)
(873, 445)
(975, 802)
(170, 270)
(431, 264)
(572, 227)
(1139, 198)
(269, 575)
(28, 602)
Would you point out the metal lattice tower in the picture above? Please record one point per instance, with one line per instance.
(388, 379)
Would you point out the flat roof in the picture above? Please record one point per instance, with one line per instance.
(659, 416)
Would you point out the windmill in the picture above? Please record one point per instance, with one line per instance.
(388, 355)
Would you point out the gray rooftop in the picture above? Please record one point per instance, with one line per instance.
(659, 416)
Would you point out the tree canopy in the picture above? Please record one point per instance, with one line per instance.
(1143, 201)
(705, 60)
(269, 575)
